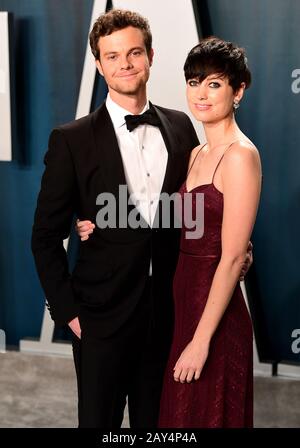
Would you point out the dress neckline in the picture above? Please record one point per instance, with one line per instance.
(201, 186)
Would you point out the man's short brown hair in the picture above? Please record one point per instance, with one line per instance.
(117, 19)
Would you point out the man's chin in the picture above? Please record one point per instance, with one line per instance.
(131, 92)
(130, 89)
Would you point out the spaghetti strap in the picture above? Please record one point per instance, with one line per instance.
(200, 149)
(230, 144)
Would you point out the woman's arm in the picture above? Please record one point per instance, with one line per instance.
(241, 181)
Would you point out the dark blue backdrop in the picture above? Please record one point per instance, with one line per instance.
(50, 38)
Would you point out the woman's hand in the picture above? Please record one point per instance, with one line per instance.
(84, 229)
(191, 361)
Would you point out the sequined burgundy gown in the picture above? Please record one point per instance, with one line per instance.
(223, 396)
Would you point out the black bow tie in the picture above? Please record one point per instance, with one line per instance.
(148, 117)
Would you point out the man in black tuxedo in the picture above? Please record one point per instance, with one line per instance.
(118, 299)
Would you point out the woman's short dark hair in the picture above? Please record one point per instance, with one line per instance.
(118, 19)
(214, 55)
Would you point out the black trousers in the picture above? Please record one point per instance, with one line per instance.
(126, 366)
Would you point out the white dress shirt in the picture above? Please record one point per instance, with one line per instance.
(144, 155)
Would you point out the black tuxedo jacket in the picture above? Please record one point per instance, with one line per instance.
(84, 160)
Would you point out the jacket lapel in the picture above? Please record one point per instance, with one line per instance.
(108, 152)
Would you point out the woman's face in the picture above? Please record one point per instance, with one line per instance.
(212, 99)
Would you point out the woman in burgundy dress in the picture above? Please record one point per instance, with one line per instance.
(209, 377)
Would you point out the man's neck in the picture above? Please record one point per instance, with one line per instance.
(133, 103)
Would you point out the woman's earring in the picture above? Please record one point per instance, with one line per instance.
(236, 105)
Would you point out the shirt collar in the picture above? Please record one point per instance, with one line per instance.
(117, 113)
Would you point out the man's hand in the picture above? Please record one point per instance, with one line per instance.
(75, 327)
(248, 262)
(84, 229)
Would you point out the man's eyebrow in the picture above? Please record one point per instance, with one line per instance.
(136, 48)
(110, 52)
(129, 51)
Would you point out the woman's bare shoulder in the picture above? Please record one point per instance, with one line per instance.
(241, 150)
(241, 159)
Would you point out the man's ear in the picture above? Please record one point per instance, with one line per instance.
(150, 56)
(99, 67)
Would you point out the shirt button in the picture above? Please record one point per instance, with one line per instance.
(148, 174)
(151, 202)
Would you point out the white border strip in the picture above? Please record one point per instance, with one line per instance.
(89, 68)
(5, 96)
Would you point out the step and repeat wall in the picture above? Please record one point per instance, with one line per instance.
(48, 43)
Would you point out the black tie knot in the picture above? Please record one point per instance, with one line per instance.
(148, 117)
